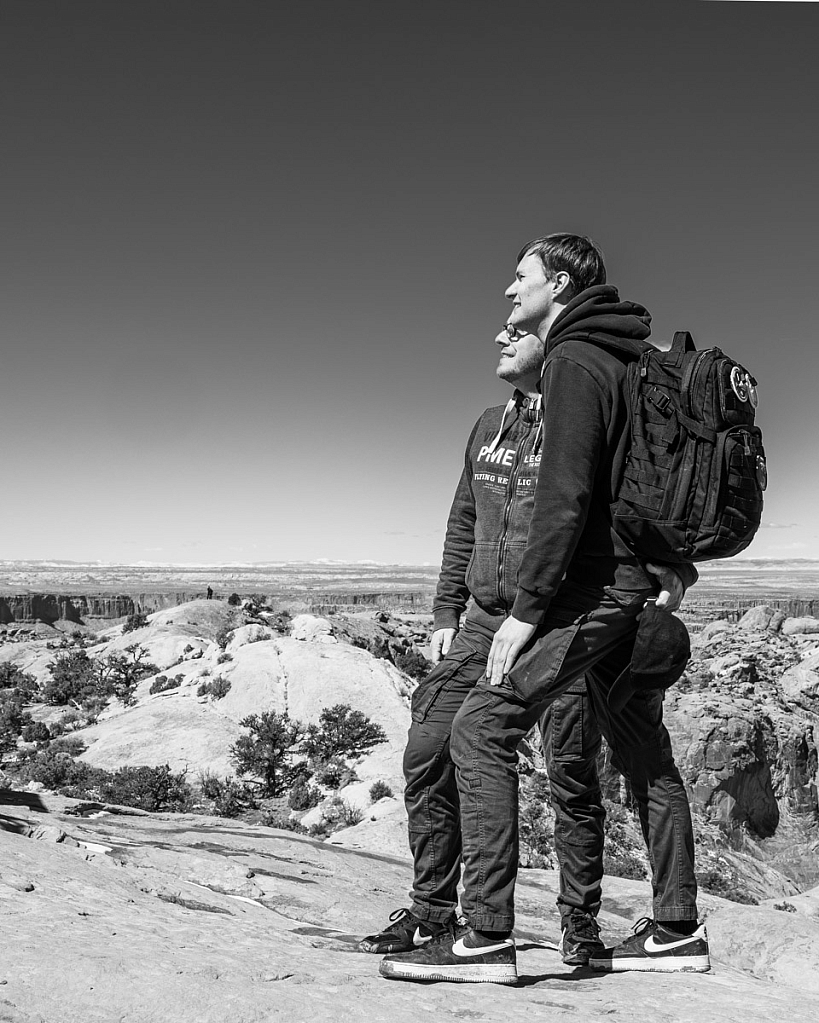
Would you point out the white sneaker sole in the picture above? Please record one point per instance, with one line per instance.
(502, 973)
(664, 964)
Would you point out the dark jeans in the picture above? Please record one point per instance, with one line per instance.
(587, 632)
(571, 742)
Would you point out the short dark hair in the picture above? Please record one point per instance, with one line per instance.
(573, 254)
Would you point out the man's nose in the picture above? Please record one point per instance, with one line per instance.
(511, 291)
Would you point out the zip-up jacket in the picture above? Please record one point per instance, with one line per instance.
(489, 519)
(585, 445)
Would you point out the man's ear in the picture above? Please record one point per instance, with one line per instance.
(563, 286)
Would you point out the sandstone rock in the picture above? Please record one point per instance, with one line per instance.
(803, 626)
(309, 628)
(709, 634)
(757, 619)
(50, 833)
(156, 940)
(248, 634)
(801, 683)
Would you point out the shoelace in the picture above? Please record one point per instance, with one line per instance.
(585, 927)
(645, 923)
(397, 917)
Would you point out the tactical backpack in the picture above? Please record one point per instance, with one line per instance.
(693, 482)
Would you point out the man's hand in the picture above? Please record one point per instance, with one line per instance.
(440, 643)
(509, 640)
(672, 589)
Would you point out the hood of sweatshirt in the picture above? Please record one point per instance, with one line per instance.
(599, 314)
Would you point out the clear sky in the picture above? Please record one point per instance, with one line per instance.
(254, 254)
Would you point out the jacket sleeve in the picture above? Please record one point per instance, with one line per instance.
(452, 594)
(574, 437)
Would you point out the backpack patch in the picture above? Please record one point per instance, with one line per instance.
(693, 483)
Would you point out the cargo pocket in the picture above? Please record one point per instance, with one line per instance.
(427, 693)
(572, 730)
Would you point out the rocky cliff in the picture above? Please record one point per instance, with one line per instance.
(49, 607)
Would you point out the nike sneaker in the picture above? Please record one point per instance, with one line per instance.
(655, 949)
(460, 956)
(404, 933)
(580, 939)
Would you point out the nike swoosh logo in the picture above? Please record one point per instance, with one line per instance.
(464, 951)
(420, 939)
(652, 946)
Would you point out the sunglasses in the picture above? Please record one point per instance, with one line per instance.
(513, 333)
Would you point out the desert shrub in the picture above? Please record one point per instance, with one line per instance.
(379, 790)
(234, 600)
(147, 788)
(222, 637)
(13, 719)
(258, 637)
(72, 720)
(536, 830)
(205, 673)
(303, 796)
(719, 878)
(334, 774)
(229, 798)
(21, 682)
(624, 854)
(280, 622)
(412, 663)
(36, 731)
(55, 770)
(135, 621)
(223, 657)
(265, 752)
(161, 684)
(340, 814)
(72, 678)
(119, 674)
(282, 821)
(341, 732)
(216, 690)
(71, 745)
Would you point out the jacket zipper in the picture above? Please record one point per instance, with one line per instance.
(507, 510)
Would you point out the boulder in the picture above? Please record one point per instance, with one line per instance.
(757, 619)
(800, 626)
(309, 628)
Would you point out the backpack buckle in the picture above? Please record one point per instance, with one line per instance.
(660, 400)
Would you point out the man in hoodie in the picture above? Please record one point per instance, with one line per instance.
(580, 594)
(486, 535)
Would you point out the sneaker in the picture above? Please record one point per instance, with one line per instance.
(404, 933)
(655, 949)
(580, 939)
(460, 956)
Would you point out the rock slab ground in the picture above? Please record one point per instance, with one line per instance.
(139, 917)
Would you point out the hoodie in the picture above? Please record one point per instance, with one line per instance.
(585, 445)
(489, 519)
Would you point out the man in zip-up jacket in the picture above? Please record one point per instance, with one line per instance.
(485, 539)
(580, 593)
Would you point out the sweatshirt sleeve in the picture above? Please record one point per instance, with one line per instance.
(452, 594)
(574, 437)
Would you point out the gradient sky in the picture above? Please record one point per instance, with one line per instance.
(254, 255)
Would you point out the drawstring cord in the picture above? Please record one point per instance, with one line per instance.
(509, 406)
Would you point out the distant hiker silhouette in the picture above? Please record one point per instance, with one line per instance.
(210, 593)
